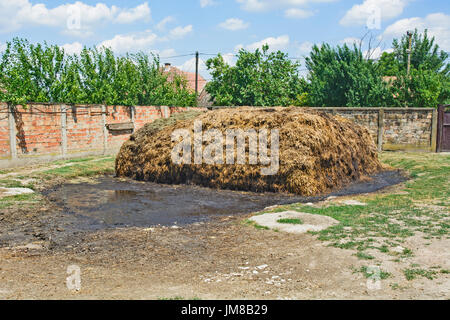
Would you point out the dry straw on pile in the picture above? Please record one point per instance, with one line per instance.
(318, 152)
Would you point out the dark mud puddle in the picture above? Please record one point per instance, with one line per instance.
(113, 203)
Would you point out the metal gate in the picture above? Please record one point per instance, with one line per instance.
(443, 137)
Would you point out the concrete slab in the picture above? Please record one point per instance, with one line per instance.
(6, 192)
(353, 203)
(311, 222)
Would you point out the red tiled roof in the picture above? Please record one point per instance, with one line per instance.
(189, 76)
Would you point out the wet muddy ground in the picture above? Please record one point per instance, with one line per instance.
(202, 249)
(110, 202)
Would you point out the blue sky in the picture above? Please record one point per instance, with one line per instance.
(173, 28)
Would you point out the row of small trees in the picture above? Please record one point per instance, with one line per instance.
(44, 73)
(337, 76)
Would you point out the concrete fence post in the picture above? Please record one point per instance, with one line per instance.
(63, 130)
(12, 132)
(133, 116)
(105, 130)
(165, 111)
(434, 131)
(380, 129)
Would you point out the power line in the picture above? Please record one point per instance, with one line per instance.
(216, 54)
(179, 56)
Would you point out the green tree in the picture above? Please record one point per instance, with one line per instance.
(260, 78)
(31, 72)
(425, 55)
(43, 73)
(427, 85)
(341, 76)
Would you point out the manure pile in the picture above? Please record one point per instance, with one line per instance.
(318, 152)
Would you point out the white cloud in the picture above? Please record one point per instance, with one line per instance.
(234, 24)
(164, 54)
(72, 48)
(360, 14)
(206, 3)
(77, 18)
(264, 5)
(141, 12)
(350, 41)
(143, 41)
(305, 48)
(130, 43)
(189, 66)
(229, 58)
(438, 25)
(180, 32)
(295, 13)
(279, 43)
(162, 24)
(376, 53)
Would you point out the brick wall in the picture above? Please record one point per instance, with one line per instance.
(4, 132)
(40, 128)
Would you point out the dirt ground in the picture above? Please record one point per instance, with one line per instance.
(224, 258)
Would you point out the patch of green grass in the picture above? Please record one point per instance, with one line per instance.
(82, 169)
(411, 274)
(255, 225)
(30, 200)
(15, 183)
(364, 256)
(445, 271)
(76, 160)
(372, 272)
(391, 218)
(290, 221)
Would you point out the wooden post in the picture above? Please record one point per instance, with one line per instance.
(12, 132)
(434, 131)
(63, 130)
(196, 74)
(105, 130)
(380, 129)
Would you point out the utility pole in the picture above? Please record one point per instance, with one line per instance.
(409, 51)
(196, 73)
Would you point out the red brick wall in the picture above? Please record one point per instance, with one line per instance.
(38, 130)
(84, 128)
(4, 132)
(38, 127)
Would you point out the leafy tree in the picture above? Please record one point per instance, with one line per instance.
(43, 73)
(427, 85)
(389, 65)
(259, 78)
(341, 76)
(425, 55)
(422, 88)
(31, 72)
